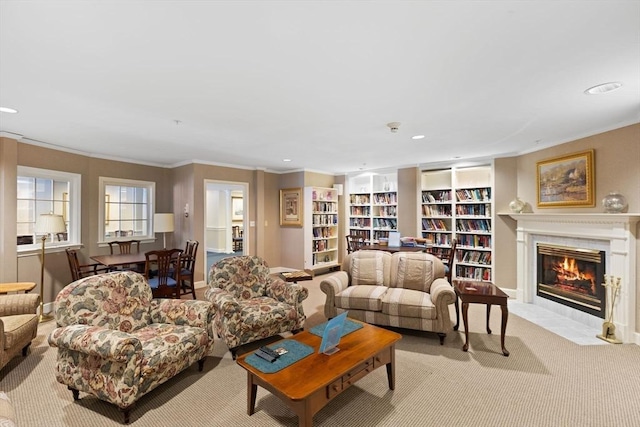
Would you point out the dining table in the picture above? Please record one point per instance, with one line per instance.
(393, 249)
(118, 260)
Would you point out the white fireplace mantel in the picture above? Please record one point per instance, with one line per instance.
(615, 233)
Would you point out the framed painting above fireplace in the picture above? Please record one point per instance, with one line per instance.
(566, 181)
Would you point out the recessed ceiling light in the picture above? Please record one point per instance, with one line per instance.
(286, 160)
(603, 88)
(417, 137)
(8, 110)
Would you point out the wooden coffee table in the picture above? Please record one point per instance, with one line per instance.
(308, 385)
(481, 293)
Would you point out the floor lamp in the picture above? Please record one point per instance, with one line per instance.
(47, 224)
(163, 223)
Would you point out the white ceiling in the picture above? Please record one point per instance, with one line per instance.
(254, 82)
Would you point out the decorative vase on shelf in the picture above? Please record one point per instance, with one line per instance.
(516, 205)
(614, 202)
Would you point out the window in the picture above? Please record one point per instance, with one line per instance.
(42, 191)
(127, 209)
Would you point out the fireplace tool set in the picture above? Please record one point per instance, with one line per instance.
(612, 285)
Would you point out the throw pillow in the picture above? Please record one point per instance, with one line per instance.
(367, 271)
(416, 274)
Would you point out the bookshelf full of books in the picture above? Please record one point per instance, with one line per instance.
(373, 205)
(321, 227)
(457, 204)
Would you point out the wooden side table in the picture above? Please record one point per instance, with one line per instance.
(16, 287)
(480, 293)
(295, 276)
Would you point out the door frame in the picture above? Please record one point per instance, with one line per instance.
(228, 187)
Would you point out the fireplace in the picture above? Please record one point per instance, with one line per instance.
(613, 234)
(572, 277)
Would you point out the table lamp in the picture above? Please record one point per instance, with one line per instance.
(163, 223)
(47, 224)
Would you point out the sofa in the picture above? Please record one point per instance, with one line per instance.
(117, 343)
(404, 290)
(18, 324)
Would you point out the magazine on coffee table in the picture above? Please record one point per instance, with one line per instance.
(332, 334)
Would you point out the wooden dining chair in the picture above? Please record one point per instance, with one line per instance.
(187, 268)
(354, 243)
(127, 247)
(449, 259)
(162, 271)
(236, 234)
(78, 271)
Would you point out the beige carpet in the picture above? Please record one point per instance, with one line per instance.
(547, 381)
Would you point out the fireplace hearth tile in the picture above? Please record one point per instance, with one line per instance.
(560, 325)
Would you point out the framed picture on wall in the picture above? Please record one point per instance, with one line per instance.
(291, 207)
(566, 181)
(237, 209)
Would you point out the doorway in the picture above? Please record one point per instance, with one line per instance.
(226, 220)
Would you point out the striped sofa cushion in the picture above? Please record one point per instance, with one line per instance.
(408, 303)
(361, 297)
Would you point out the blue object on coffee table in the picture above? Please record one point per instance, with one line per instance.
(349, 326)
(295, 351)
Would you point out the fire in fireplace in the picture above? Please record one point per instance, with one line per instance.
(572, 276)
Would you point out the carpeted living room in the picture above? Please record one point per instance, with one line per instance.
(546, 381)
(410, 162)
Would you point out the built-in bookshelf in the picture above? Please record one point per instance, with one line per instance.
(457, 204)
(437, 217)
(373, 205)
(321, 227)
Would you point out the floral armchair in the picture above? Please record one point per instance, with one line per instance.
(118, 343)
(250, 304)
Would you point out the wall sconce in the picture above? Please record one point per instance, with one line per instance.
(186, 210)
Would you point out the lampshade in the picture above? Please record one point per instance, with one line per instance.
(49, 224)
(162, 222)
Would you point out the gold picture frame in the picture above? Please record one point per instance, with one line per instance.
(566, 181)
(291, 207)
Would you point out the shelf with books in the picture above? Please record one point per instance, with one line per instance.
(373, 205)
(474, 241)
(473, 257)
(457, 203)
(473, 273)
(321, 227)
(437, 209)
(434, 197)
(482, 210)
(360, 212)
